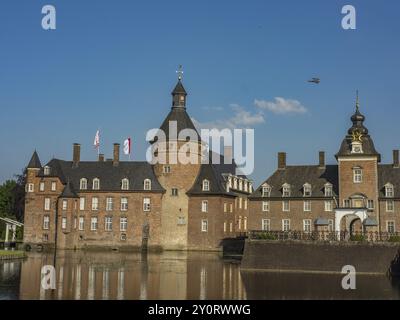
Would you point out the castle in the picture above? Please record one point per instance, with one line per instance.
(174, 206)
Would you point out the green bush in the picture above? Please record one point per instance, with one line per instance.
(394, 239)
(357, 237)
(266, 236)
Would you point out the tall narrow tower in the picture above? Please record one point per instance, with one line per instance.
(177, 176)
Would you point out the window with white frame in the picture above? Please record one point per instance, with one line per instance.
(64, 223)
(109, 204)
(390, 227)
(147, 184)
(31, 187)
(240, 223)
(96, 184)
(82, 203)
(93, 223)
(206, 185)
(266, 191)
(225, 207)
(123, 224)
(265, 224)
(46, 222)
(53, 186)
(125, 184)
(370, 204)
(389, 205)
(41, 186)
(307, 190)
(75, 222)
(307, 225)
(346, 203)
(286, 190)
(204, 225)
(245, 204)
(83, 184)
(245, 186)
(108, 223)
(328, 205)
(330, 225)
(328, 190)
(389, 190)
(234, 183)
(231, 207)
(204, 206)
(285, 205)
(240, 184)
(146, 204)
(46, 170)
(166, 169)
(124, 204)
(64, 205)
(265, 206)
(285, 225)
(240, 202)
(47, 204)
(245, 223)
(81, 223)
(224, 226)
(357, 175)
(95, 203)
(230, 227)
(307, 205)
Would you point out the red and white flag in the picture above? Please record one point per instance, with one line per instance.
(127, 146)
(96, 142)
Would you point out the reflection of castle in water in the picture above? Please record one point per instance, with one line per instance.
(170, 275)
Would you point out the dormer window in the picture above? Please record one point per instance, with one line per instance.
(389, 190)
(266, 191)
(328, 190)
(125, 184)
(240, 184)
(46, 170)
(246, 186)
(96, 184)
(357, 175)
(147, 184)
(234, 183)
(206, 185)
(307, 190)
(286, 190)
(83, 184)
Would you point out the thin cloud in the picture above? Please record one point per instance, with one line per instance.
(281, 106)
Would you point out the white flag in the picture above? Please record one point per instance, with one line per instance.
(96, 142)
(127, 146)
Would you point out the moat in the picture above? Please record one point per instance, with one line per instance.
(173, 275)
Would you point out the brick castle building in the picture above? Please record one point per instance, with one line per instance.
(175, 206)
(134, 204)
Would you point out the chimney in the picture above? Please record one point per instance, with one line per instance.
(76, 157)
(101, 157)
(228, 157)
(396, 159)
(322, 159)
(281, 160)
(116, 154)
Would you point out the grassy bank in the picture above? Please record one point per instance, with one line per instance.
(8, 254)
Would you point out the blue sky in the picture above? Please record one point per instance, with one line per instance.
(111, 64)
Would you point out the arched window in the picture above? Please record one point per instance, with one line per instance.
(125, 184)
(307, 190)
(389, 190)
(286, 190)
(147, 184)
(206, 185)
(96, 184)
(83, 184)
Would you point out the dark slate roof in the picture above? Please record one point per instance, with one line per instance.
(388, 174)
(110, 176)
(370, 222)
(297, 176)
(179, 88)
(69, 192)
(215, 173)
(321, 222)
(182, 119)
(367, 144)
(34, 163)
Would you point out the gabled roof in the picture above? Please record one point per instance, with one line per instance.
(110, 176)
(388, 174)
(297, 176)
(34, 163)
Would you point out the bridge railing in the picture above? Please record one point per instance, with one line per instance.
(325, 236)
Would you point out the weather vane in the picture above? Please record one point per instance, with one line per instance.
(180, 72)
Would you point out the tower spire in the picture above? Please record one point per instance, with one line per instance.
(179, 93)
(357, 102)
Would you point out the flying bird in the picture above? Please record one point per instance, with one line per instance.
(315, 80)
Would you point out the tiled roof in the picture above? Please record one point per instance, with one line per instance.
(34, 163)
(388, 174)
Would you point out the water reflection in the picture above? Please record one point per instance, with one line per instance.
(173, 275)
(96, 276)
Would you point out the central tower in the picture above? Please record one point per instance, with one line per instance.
(180, 145)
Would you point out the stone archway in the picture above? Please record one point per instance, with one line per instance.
(357, 213)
